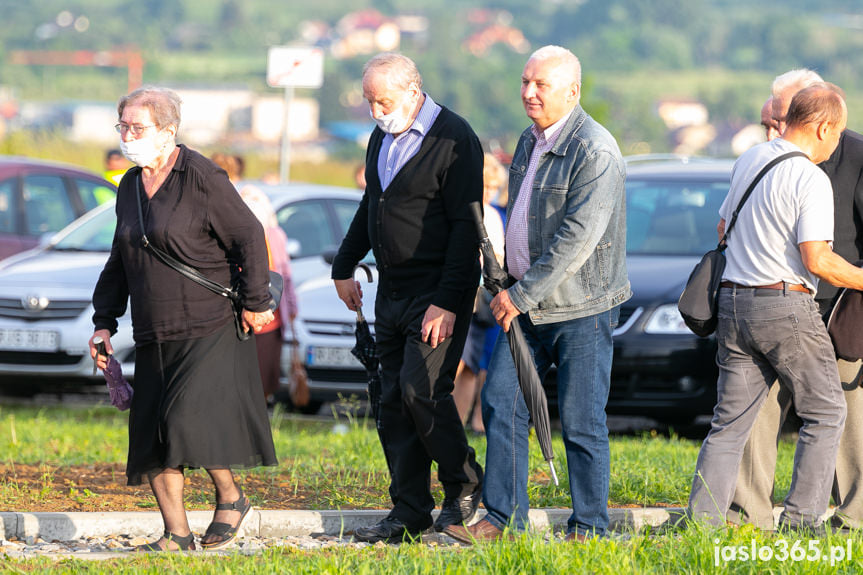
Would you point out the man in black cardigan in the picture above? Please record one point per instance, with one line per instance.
(423, 167)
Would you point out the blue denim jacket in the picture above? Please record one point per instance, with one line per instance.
(577, 224)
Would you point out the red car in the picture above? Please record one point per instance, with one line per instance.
(38, 198)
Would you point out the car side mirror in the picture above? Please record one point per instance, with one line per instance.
(330, 256)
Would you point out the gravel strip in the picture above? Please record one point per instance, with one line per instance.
(115, 546)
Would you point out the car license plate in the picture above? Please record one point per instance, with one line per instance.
(29, 340)
(318, 356)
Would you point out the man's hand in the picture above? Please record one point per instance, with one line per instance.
(256, 321)
(437, 325)
(351, 292)
(101, 361)
(503, 309)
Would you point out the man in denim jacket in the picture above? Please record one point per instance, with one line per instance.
(565, 251)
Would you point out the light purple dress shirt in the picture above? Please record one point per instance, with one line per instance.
(517, 248)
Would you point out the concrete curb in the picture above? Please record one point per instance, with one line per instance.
(272, 524)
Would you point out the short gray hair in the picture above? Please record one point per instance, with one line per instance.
(567, 60)
(164, 104)
(400, 70)
(796, 79)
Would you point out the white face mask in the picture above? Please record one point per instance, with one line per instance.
(142, 151)
(392, 123)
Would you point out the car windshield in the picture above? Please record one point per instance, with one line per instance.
(93, 235)
(672, 217)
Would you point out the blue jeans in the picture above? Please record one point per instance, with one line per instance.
(582, 351)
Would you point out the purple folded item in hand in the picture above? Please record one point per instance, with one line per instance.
(119, 389)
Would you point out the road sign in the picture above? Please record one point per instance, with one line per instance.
(294, 67)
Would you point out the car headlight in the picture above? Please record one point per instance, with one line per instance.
(666, 319)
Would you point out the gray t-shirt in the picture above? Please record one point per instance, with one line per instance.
(793, 203)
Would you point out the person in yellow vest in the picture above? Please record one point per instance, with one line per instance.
(115, 166)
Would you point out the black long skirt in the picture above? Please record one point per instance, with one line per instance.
(198, 403)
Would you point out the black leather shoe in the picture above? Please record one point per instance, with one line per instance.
(458, 510)
(390, 530)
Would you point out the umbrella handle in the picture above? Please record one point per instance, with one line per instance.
(365, 268)
(369, 277)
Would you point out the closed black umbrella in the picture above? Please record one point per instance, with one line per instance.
(494, 280)
(365, 351)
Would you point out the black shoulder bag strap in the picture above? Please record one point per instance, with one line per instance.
(172, 262)
(748, 192)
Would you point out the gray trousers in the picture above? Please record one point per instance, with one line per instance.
(753, 498)
(764, 335)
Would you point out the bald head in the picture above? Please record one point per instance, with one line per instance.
(816, 118)
(564, 62)
(820, 102)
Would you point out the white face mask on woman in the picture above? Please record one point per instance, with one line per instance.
(142, 151)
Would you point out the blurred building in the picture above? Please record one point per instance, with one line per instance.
(209, 116)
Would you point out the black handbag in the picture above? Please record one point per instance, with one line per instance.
(699, 302)
(844, 323)
(276, 285)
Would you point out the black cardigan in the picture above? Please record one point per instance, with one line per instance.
(421, 230)
(845, 169)
(198, 217)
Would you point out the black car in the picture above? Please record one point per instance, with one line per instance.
(661, 369)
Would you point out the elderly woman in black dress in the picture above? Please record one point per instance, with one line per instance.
(198, 398)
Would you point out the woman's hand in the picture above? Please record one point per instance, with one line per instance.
(101, 361)
(255, 321)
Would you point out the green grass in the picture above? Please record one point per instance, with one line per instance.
(343, 466)
(690, 551)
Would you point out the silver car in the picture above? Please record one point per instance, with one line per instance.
(46, 292)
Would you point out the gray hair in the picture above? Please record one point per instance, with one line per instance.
(567, 61)
(796, 79)
(164, 104)
(400, 70)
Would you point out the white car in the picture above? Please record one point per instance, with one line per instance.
(46, 292)
(46, 309)
(325, 330)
